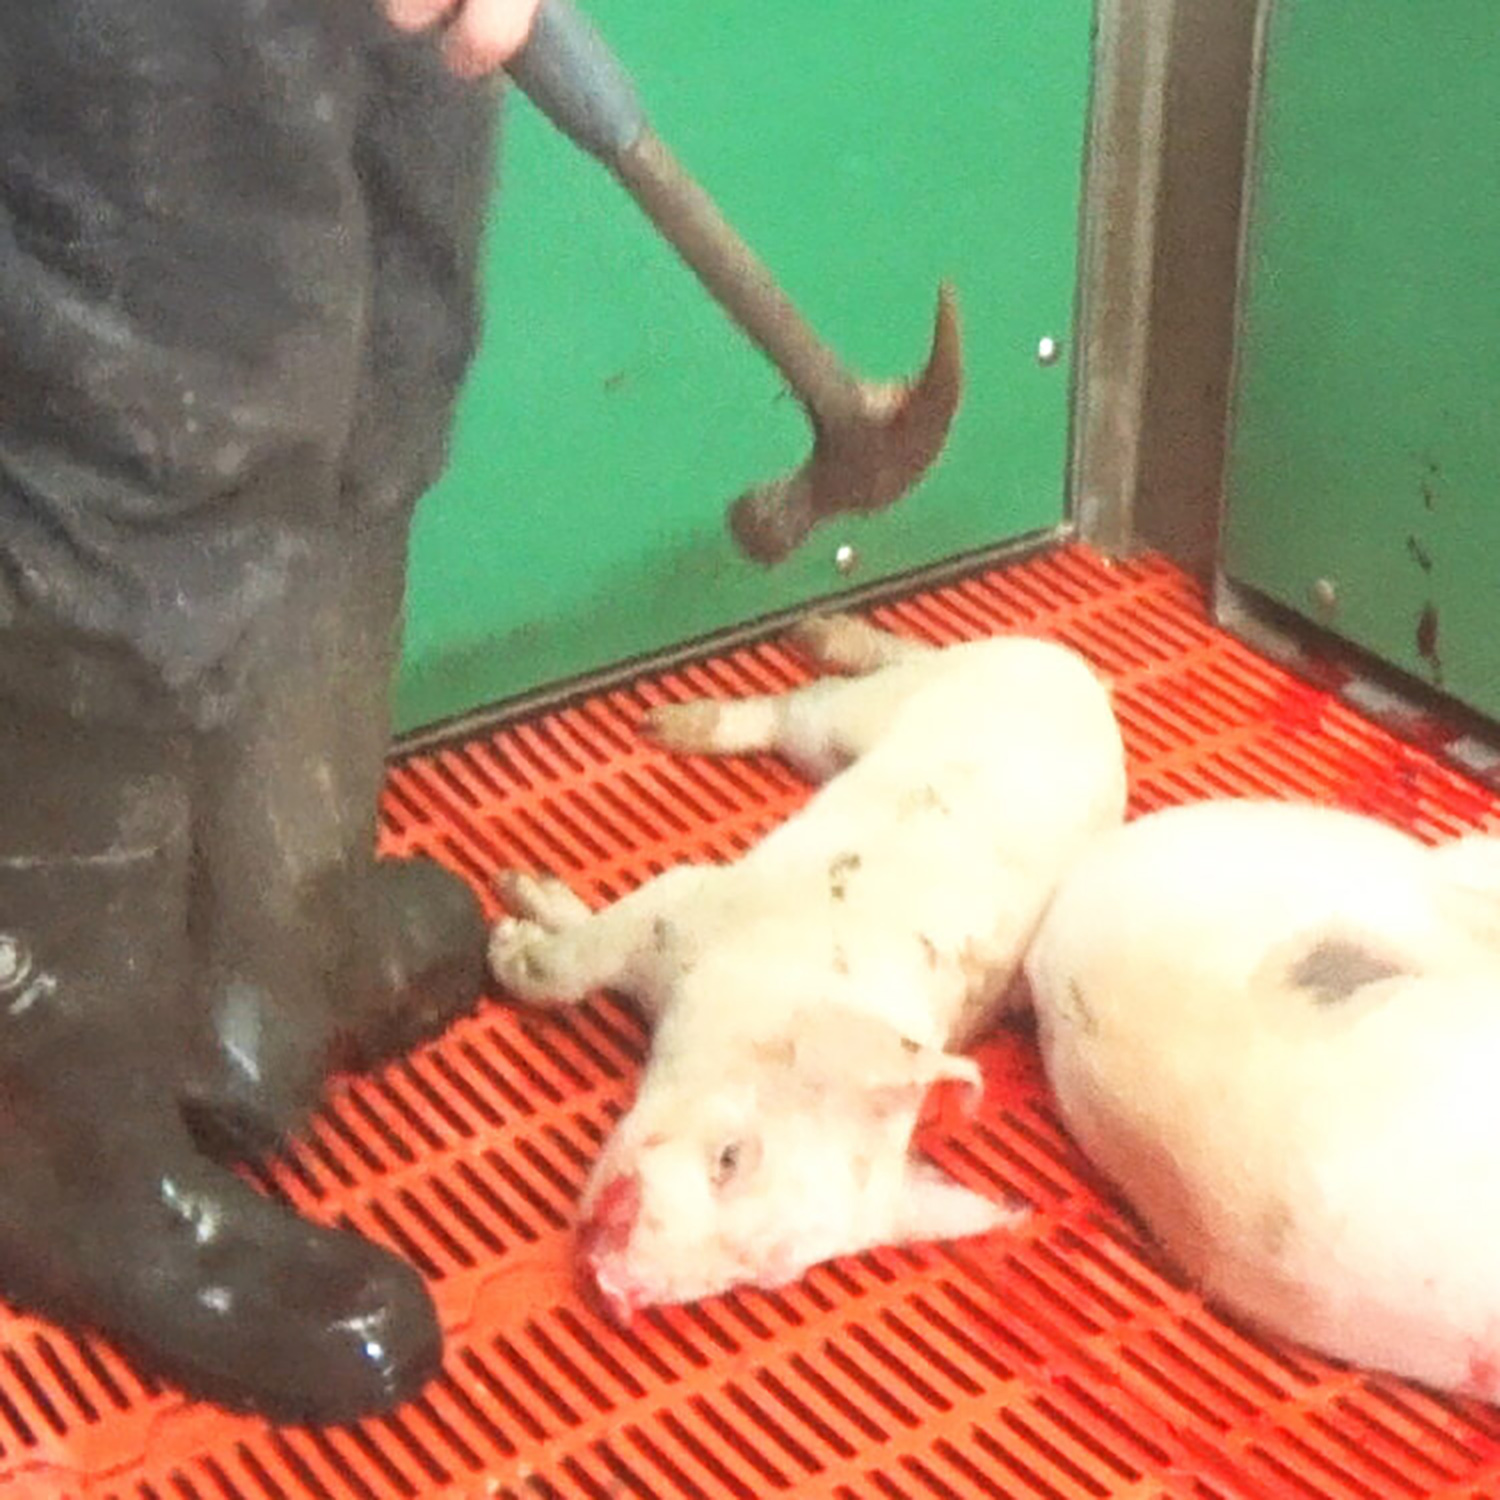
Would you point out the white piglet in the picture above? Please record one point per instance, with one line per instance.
(1276, 1029)
(806, 997)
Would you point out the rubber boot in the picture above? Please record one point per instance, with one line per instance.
(109, 1217)
(310, 955)
(315, 954)
(415, 932)
(426, 156)
(266, 847)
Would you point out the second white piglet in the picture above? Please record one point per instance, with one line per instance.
(806, 997)
(1276, 1029)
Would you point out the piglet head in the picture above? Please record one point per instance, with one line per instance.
(748, 1167)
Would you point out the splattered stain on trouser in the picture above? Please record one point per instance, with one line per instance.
(238, 245)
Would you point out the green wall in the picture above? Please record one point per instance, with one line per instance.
(867, 151)
(1366, 442)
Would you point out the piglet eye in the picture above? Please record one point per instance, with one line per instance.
(727, 1163)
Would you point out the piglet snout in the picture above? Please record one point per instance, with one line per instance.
(611, 1221)
(602, 1241)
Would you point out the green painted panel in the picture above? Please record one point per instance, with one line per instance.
(868, 152)
(1366, 446)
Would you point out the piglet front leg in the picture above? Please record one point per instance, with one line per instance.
(527, 952)
(553, 951)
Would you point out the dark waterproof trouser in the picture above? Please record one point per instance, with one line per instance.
(238, 244)
(238, 247)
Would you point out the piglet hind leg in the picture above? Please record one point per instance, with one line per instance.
(802, 726)
(848, 644)
(545, 900)
(819, 729)
(553, 951)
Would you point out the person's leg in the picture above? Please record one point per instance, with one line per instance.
(413, 935)
(426, 162)
(312, 951)
(184, 299)
(269, 833)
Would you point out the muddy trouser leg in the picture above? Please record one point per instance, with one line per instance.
(184, 300)
(308, 944)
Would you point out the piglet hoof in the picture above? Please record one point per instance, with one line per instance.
(829, 640)
(848, 644)
(517, 959)
(545, 900)
(682, 727)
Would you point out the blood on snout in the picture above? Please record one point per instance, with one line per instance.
(603, 1238)
(608, 1228)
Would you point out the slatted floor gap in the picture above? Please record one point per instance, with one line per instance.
(1056, 1364)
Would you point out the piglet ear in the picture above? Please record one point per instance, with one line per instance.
(910, 1070)
(887, 1071)
(949, 1067)
(933, 1206)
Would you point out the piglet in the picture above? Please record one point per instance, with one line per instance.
(807, 997)
(1276, 1029)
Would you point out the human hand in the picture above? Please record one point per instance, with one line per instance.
(478, 35)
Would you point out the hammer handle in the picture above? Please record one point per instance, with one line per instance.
(569, 72)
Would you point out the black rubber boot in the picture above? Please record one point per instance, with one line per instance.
(427, 160)
(416, 963)
(109, 1217)
(315, 953)
(311, 955)
(416, 936)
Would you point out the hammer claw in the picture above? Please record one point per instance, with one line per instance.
(866, 454)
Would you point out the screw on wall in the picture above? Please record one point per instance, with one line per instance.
(846, 558)
(14, 962)
(1325, 595)
(1048, 350)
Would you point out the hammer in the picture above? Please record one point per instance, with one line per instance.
(872, 440)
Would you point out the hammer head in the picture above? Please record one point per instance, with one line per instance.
(870, 447)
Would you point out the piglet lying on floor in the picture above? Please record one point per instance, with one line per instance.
(805, 998)
(1276, 1029)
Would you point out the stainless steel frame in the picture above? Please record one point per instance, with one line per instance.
(1162, 205)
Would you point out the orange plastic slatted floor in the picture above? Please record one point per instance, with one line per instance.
(1055, 1365)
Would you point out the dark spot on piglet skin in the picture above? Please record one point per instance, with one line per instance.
(1077, 1009)
(840, 871)
(1336, 968)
